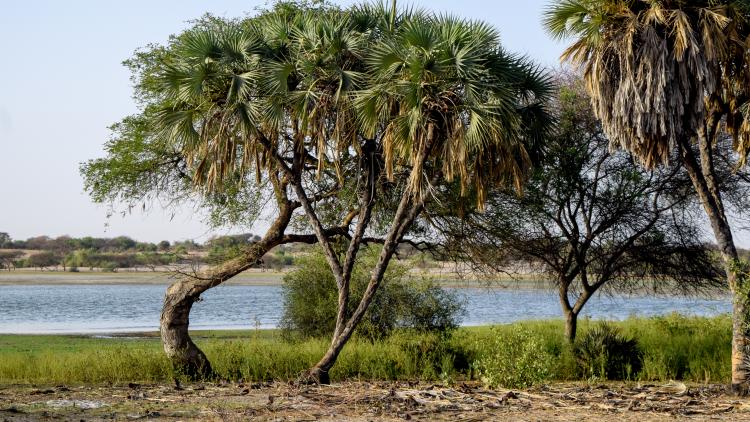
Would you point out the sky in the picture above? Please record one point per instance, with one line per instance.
(62, 85)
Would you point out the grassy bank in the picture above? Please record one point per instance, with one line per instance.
(674, 347)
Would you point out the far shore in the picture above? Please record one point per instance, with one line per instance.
(253, 277)
(25, 277)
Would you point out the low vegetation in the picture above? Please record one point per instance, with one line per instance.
(673, 347)
(604, 352)
(311, 295)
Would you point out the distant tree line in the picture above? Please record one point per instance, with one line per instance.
(109, 254)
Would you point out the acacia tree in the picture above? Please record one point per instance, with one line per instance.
(8, 259)
(664, 78)
(590, 218)
(359, 113)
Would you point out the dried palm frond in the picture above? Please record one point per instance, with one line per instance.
(649, 65)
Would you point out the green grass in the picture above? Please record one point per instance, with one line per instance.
(674, 347)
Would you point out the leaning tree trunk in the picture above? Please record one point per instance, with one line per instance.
(187, 359)
(403, 219)
(704, 182)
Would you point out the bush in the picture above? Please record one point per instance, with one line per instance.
(604, 352)
(428, 307)
(109, 266)
(514, 358)
(311, 298)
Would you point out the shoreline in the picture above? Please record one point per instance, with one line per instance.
(248, 278)
(241, 332)
(36, 278)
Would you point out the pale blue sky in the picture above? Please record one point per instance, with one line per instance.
(62, 84)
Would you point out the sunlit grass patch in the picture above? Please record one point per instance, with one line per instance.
(674, 347)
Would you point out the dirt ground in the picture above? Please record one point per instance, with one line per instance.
(361, 401)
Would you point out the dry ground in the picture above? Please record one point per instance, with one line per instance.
(361, 401)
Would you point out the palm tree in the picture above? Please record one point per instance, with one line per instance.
(401, 103)
(443, 101)
(664, 76)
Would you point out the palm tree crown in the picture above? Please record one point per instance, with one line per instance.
(655, 69)
(430, 90)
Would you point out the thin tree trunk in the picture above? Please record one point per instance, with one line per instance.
(571, 325)
(187, 359)
(710, 198)
(740, 335)
(570, 317)
(404, 217)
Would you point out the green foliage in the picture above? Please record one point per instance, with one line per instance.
(513, 359)
(224, 248)
(9, 258)
(426, 306)
(5, 240)
(43, 260)
(86, 258)
(335, 76)
(674, 347)
(603, 352)
(679, 347)
(433, 355)
(311, 298)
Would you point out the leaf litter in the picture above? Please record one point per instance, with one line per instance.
(371, 401)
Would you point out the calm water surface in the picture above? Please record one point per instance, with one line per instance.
(133, 308)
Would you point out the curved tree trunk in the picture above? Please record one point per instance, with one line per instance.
(703, 179)
(187, 359)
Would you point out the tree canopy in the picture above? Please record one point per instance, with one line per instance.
(345, 115)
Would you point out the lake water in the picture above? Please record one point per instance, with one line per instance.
(136, 308)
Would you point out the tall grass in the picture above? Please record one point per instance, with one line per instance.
(674, 347)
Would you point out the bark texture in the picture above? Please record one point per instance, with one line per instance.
(407, 212)
(571, 326)
(703, 176)
(187, 359)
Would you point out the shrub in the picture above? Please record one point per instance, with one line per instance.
(311, 298)
(514, 358)
(109, 266)
(428, 307)
(604, 352)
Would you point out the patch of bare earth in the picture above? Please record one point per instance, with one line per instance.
(362, 401)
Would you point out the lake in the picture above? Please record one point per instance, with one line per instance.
(89, 309)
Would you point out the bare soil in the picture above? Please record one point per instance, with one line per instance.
(361, 401)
